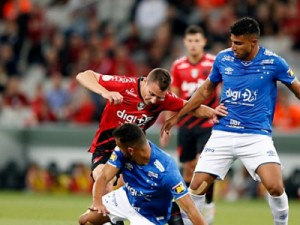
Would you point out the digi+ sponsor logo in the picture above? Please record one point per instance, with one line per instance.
(245, 95)
(138, 120)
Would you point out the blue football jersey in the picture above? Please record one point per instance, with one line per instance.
(249, 90)
(151, 188)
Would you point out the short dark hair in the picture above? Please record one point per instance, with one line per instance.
(245, 26)
(161, 76)
(193, 29)
(130, 134)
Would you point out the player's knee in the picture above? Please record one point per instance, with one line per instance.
(275, 189)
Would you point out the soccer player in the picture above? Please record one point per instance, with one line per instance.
(152, 180)
(188, 73)
(131, 100)
(249, 73)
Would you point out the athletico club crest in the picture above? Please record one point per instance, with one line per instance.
(194, 73)
(141, 105)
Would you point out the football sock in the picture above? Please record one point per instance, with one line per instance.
(175, 215)
(199, 201)
(280, 208)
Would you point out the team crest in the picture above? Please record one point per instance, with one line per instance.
(194, 73)
(179, 188)
(141, 105)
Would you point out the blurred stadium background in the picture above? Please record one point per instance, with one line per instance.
(47, 120)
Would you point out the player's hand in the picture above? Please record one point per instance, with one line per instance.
(164, 139)
(221, 110)
(113, 97)
(100, 208)
(168, 124)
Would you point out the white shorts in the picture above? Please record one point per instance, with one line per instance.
(120, 209)
(223, 148)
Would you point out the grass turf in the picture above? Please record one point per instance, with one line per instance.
(18, 208)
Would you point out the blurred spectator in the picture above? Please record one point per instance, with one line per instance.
(37, 179)
(41, 107)
(16, 107)
(13, 95)
(11, 36)
(3, 78)
(82, 109)
(58, 97)
(74, 48)
(122, 63)
(144, 19)
(291, 21)
(12, 176)
(81, 181)
(8, 59)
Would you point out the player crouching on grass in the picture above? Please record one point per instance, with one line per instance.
(152, 179)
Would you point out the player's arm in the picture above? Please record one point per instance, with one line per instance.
(107, 174)
(164, 139)
(295, 88)
(188, 206)
(201, 94)
(89, 79)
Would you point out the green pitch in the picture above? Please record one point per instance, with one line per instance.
(61, 209)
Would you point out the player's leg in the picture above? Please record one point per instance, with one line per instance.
(260, 158)
(271, 177)
(198, 188)
(99, 158)
(188, 164)
(215, 161)
(187, 152)
(203, 134)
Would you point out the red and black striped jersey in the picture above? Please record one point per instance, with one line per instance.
(187, 77)
(131, 110)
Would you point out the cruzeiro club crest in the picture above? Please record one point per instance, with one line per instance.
(141, 105)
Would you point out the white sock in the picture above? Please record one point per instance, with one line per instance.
(199, 201)
(280, 208)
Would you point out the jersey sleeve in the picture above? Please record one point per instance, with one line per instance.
(284, 73)
(175, 182)
(215, 76)
(172, 102)
(116, 158)
(115, 83)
